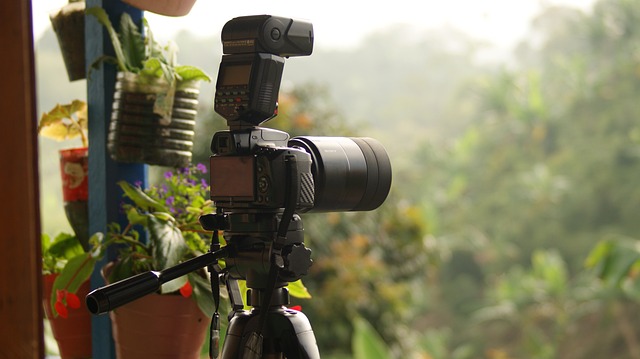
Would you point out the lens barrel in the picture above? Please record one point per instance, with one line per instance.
(349, 173)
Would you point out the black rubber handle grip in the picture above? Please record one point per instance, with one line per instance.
(107, 298)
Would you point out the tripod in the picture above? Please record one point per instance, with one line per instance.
(269, 330)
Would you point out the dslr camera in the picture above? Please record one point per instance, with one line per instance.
(248, 162)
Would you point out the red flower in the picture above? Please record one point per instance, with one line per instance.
(61, 309)
(73, 301)
(186, 290)
(60, 294)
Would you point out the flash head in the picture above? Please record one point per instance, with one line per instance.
(267, 34)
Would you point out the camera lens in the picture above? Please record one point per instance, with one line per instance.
(349, 173)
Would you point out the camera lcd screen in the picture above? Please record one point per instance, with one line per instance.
(236, 74)
(232, 176)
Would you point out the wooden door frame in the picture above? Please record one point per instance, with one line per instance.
(21, 319)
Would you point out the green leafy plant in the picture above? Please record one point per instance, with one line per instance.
(57, 251)
(366, 342)
(153, 63)
(64, 122)
(168, 212)
(616, 262)
(64, 256)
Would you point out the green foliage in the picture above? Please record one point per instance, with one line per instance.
(147, 59)
(617, 263)
(298, 290)
(57, 252)
(366, 343)
(543, 173)
(66, 257)
(169, 213)
(65, 122)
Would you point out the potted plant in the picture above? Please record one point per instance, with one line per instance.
(156, 100)
(66, 122)
(68, 24)
(66, 268)
(168, 212)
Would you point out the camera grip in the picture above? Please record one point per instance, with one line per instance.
(112, 296)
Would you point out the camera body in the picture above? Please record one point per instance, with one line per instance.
(250, 170)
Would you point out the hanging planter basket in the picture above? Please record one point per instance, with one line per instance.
(73, 334)
(164, 7)
(137, 133)
(68, 24)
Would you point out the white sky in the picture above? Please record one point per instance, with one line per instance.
(340, 23)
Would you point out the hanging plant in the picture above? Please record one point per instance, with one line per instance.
(149, 60)
(155, 100)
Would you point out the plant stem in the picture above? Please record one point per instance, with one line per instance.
(124, 238)
(186, 228)
(83, 136)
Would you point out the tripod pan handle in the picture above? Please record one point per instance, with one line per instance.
(112, 296)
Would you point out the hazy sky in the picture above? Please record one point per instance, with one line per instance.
(339, 23)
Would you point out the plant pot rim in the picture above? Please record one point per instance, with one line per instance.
(68, 8)
(73, 149)
(133, 82)
(164, 7)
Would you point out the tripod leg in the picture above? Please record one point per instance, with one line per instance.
(288, 333)
(297, 340)
(234, 335)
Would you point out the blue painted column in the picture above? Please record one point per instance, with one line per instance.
(104, 194)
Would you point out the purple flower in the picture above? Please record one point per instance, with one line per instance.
(204, 183)
(163, 188)
(202, 168)
(168, 174)
(191, 182)
(170, 201)
(138, 183)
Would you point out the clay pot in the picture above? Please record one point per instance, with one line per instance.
(159, 326)
(73, 334)
(164, 7)
(68, 24)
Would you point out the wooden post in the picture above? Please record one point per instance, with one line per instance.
(104, 194)
(21, 329)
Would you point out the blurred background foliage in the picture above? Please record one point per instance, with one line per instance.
(512, 227)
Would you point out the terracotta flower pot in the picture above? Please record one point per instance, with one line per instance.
(164, 7)
(73, 334)
(159, 326)
(68, 24)
(74, 164)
